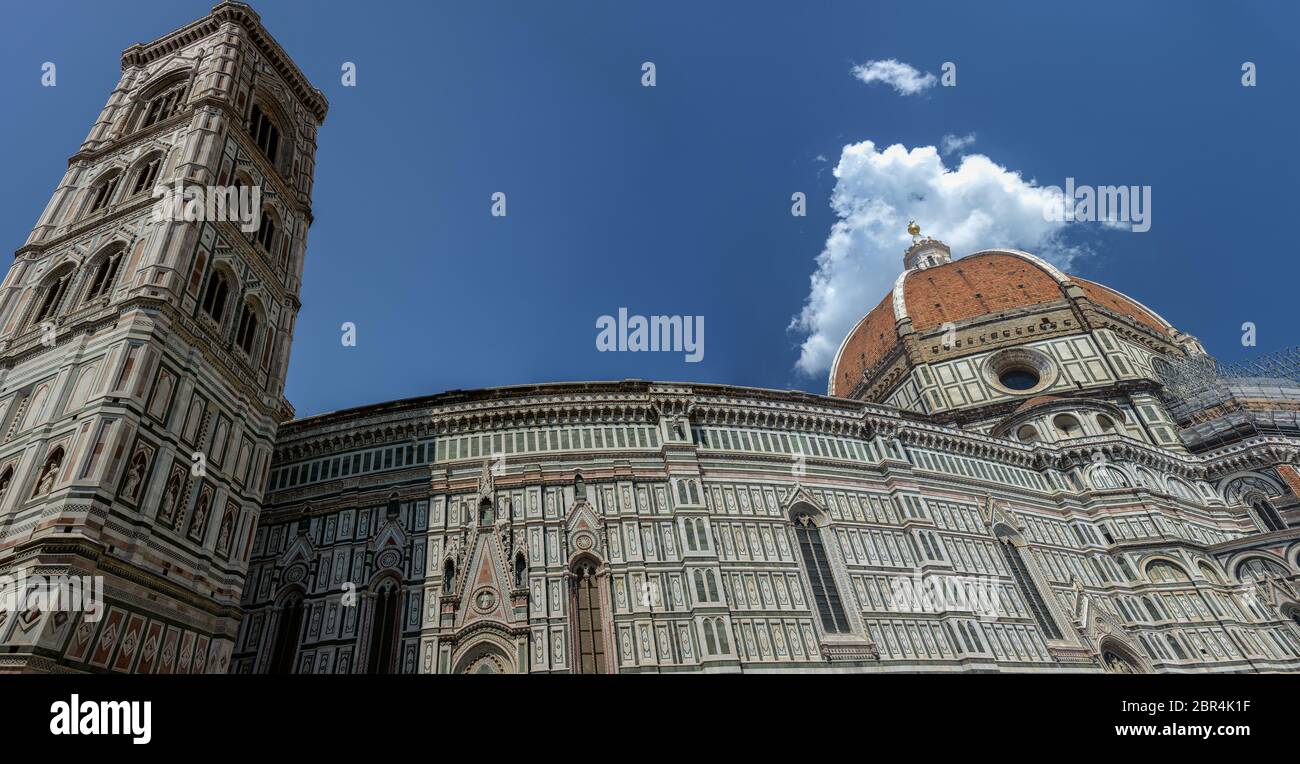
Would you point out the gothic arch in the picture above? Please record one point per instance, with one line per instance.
(51, 292)
(489, 651)
(1118, 657)
(288, 614)
(142, 174)
(1029, 580)
(101, 271)
(219, 292)
(591, 625)
(386, 605)
(823, 569)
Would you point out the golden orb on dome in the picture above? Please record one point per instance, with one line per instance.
(913, 228)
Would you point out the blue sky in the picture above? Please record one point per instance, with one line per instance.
(675, 200)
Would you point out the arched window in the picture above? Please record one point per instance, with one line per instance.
(1105, 423)
(6, 480)
(700, 593)
(691, 543)
(1209, 572)
(246, 335)
(285, 647)
(102, 195)
(820, 576)
(681, 492)
(266, 232)
(1181, 489)
(1165, 572)
(579, 488)
(146, 175)
(214, 299)
(1024, 580)
(49, 472)
(51, 296)
(589, 620)
(1068, 426)
(448, 575)
(1254, 568)
(710, 641)
(720, 627)
(384, 629)
(165, 103)
(1105, 477)
(485, 512)
(1152, 610)
(105, 275)
(521, 571)
(1267, 513)
(265, 133)
(1027, 433)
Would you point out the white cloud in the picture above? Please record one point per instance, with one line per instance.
(905, 79)
(977, 205)
(952, 143)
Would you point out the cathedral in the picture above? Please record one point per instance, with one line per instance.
(1013, 469)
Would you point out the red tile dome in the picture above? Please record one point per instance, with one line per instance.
(982, 284)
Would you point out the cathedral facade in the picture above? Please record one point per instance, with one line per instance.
(1012, 470)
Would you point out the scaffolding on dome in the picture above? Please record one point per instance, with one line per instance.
(1200, 390)
(1191, 375)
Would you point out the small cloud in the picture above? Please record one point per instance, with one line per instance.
(820, 158)
(951, 144)
(905, 79)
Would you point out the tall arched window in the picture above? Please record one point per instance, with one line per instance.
(51, 297)
(384, 628)
(521, 571)
(146, 175)
(102, 195)
(1025, 581)
(105, 274)
(822, 580)
(1267, 513)
(214, 299)
(285, 647)
(165, 103)
(266, 232)
(589, 620)
(448, 575)
(246, 335)
(6, 480)
(265, 134)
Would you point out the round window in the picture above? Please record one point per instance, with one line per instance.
(1019, 371)
(1027, 433)
(1018, 378)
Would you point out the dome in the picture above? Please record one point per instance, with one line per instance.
(982, 284)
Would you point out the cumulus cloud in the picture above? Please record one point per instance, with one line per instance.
(905, 79)
(950, 143)
(977, 205)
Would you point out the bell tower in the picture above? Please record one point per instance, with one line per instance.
(145, 328)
